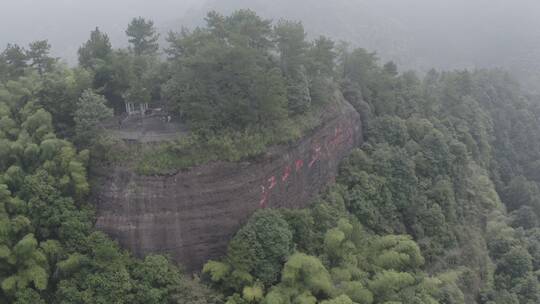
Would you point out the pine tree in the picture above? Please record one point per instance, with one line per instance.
(143, 36)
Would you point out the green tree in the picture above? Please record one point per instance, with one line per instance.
(16, 60)
(270, 99)
(244, 28)
(38, 54)
(391, 68)
(143, 36)
(112, 78)
(521, 192)
(386, 285)
(91, 110)
(399, 253)
(262, 246)
(292, 46)
(28, 266)
(58, 93)
(322, 57)
(298, 92)
(223, 77)
(307, 273)
(517, 263)
(255, 254)
(343, 299)
(98, 47)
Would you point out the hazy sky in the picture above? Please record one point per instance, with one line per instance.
(417, 34)
(67, 23)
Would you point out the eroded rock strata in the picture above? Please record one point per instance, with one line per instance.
(191, 215)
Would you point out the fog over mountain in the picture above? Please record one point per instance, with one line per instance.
(417, 34)
(422, 34)
(270, 151)
(67, 23)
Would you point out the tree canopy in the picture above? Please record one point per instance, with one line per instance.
(441, 204)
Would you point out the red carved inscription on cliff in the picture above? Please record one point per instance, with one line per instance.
(342, 135)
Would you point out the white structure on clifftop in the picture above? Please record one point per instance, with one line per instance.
(134, 108)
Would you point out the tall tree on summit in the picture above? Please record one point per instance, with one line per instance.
(39, 56)
(143, 37)
(292, 45)
(15, 59)
(98, 47)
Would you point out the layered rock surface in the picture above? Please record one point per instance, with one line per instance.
(192, 214)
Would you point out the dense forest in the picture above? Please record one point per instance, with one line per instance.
(418, 34)
(441, 204)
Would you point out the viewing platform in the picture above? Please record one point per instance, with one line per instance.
(154, 126)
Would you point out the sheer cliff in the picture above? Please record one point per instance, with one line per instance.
(192, 214)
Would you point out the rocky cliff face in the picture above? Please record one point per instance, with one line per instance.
(192, 214)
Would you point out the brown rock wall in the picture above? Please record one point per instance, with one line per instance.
(192, 214)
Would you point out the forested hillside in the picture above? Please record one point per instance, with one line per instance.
(49, 251)
(440, 205)
(417, 34)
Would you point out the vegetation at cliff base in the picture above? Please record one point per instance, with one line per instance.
(441, 204)
(49, 249)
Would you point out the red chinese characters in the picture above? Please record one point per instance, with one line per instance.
(286, 173)
(272, 182)
(299, 164)
(342, 135)
(315, 156)
(264, 197)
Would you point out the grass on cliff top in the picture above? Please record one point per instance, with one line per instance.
(196, 149)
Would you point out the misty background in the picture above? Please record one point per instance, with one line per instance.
(416, 34)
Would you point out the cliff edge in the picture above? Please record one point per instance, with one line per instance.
(192, 214)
